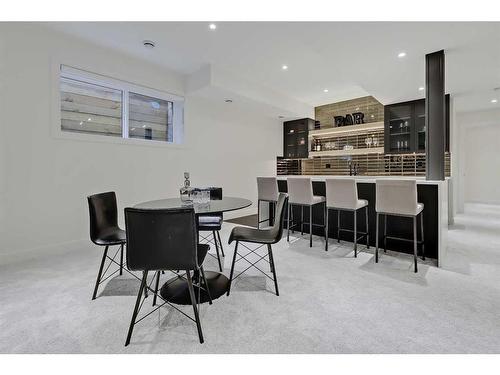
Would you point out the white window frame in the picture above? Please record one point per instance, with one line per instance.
(65, 71)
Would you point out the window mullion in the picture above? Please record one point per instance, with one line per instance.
(125, 107)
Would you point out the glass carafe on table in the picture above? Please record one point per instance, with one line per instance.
(186, 191)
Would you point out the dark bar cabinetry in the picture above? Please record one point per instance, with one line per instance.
(405, 127)
(295, 138)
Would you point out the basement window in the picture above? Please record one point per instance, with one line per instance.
(100, 106)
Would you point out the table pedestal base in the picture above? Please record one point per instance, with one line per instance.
(175, 290)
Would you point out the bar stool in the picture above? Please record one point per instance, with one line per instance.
(300, 193)
(342, 195)
(399, 198)
(267, 188)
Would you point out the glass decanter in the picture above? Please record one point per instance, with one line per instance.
(186, 190)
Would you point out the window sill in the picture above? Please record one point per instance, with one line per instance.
(68, 136)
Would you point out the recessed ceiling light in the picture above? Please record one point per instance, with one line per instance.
(81, 122)
(132, 129)
(325, 90)
(494, 100)
(89, 119)
(144, 126)
(228, 100)
(212, 26)
(284, 67)
(421, 88)
(401, 54)
(148, 44)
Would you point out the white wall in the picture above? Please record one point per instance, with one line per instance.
(46, 179)
(479, 157)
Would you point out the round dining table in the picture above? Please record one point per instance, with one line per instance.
(175, 290)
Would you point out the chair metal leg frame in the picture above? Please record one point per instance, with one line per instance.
(253, 264)
(326, 227)
(220, 244)
(140, 301)
(121, 259)
(301, 224)
(273, 203)
(415, 240)
(355, 230)
(215, 241)
(101, 273)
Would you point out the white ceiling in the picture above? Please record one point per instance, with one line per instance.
(350, 59)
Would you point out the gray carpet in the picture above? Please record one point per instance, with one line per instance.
(329, 302)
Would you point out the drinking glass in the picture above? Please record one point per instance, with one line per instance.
(197, 196)
(205, 196)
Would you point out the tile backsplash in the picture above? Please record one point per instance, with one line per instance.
(371, 107)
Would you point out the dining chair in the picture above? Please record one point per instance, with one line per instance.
(262, 237)
(165, 240)
(104, 231)
(212, 223)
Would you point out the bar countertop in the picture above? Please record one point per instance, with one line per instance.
(369, 179)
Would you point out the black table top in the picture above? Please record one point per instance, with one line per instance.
(223, 205)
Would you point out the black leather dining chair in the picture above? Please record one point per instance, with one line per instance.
(212, 223)
(164, 240)
(259, 236)
(104, 231)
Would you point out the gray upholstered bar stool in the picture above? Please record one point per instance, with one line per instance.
(342, 195)
(399, 198)
(300, 193)
(267, 188)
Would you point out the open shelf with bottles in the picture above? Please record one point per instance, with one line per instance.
(355, 140)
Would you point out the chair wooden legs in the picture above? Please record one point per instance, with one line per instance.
(232, 268)
(99, 274)
(194, 303)
(136, 308)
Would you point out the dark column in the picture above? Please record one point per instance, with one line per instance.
(435, 115)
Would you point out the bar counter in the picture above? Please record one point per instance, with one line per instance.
(433, 194)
